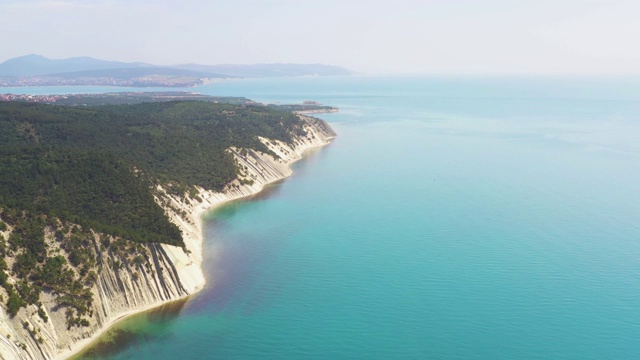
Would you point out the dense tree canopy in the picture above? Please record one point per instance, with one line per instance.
(95, 166)
(70, 171)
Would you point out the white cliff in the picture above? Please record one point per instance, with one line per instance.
(127, 283)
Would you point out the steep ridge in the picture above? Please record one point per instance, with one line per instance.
(159, 273)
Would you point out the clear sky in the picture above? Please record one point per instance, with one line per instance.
(374, 36)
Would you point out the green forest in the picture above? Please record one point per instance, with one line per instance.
(72, 170)
(96, 166)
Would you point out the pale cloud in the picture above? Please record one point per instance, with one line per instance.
(602, 32)
(436, 36)
(48, 5)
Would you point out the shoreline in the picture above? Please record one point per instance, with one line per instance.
(198, 216)
(316, 111)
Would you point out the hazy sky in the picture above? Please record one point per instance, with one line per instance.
(429, 36)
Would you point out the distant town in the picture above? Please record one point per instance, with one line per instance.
(122, 98)
(31, 98)
(148, 81)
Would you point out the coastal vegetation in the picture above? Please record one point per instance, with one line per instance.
(79, 182)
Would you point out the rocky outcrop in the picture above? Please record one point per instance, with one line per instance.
(136, 277)
(317, 111)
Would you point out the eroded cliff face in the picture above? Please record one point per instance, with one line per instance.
(131, 277)
(125, 283)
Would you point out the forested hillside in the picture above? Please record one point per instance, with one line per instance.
(94, 166)
(79, 182)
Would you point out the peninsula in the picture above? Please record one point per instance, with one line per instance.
(100, 207)
(115, 98)
(37, 70)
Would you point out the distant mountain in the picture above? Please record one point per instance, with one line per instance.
(128, 73)
(33, 70)
(269, 70)
(36, 65)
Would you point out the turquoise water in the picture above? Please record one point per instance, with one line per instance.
(451, 219)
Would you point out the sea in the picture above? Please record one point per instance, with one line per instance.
(451, 218)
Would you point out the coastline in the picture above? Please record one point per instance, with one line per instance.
(316, 111)
(194, 234)
(81, 345)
